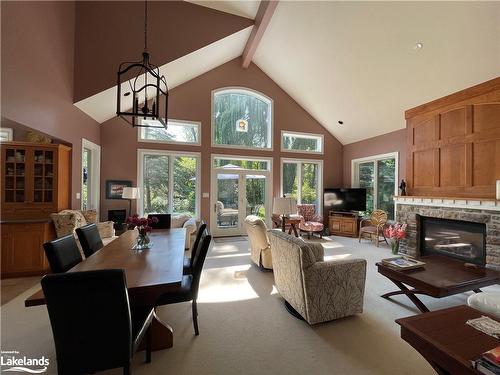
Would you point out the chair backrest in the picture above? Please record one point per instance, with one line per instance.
(62, 253)
(194, 247)
(164, 221)
(307, 211)
(199, 259)
(257, 233)
(219, 206)
(378, 217)
(90, 239)
(90, 317)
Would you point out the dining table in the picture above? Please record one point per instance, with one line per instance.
(149, 273)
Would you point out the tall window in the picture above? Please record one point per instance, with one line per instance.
(177, 131)
(241, 118)
(302, 179)
(167, 181)
(378, 175)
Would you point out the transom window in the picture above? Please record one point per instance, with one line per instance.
(167, 182)
(378, 175)
(177, 131)
(231, 162)
(303, 180)
(241, 118)
(301, 142)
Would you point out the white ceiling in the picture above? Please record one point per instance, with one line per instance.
(246, 9)
(356, 62)
(102, 106)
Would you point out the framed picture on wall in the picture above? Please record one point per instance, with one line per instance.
(114, 188)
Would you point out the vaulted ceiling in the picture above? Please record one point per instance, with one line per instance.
(355, 62)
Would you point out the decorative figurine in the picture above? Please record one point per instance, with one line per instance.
(402, 187)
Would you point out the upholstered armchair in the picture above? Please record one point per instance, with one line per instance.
(260, 249)
(316, 290)
(373, 227)
(311, 221)
(187, 222)
(228, 215)
(67, 221)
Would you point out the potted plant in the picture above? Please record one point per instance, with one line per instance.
(395, 233)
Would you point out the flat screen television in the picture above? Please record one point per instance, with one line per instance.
(343, 199)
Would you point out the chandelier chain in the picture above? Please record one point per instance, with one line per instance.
(145, 25)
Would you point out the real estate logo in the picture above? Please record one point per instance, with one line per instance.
(12, 361)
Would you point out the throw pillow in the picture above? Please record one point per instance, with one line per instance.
(90, 216)
(64, 224)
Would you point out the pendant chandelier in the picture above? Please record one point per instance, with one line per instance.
(145, 89)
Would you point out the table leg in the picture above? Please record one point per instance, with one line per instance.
(409, 293)
(162, 335)
(294, 230)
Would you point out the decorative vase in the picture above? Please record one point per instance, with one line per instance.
(395, 247)
(143, 241)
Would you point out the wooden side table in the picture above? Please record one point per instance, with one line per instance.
(294, 224)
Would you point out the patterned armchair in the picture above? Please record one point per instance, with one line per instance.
(318, 291)
(374, 226)
(311, 221)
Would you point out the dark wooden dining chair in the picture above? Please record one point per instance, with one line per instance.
(90, 239)
(188, 291)
(188, 261)
(164, 221)
(92, 324)
(62, 253)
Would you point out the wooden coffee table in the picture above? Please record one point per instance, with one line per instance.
(441, 276)
(445, 341)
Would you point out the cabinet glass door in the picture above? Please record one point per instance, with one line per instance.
(43, 175)
(15, 175)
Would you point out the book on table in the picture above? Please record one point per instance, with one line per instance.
(489, 362)
(403, 263)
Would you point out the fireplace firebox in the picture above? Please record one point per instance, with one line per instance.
(459, 239)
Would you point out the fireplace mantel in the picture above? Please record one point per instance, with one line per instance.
(451, 202)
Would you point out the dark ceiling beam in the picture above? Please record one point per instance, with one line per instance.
(262, 19)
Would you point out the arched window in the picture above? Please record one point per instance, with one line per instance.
(241, 118)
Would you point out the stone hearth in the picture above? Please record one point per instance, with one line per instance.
(480, 212)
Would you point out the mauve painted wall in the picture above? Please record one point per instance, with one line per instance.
(382, 144)
(175, 28)
(192, 101)
(37, 75)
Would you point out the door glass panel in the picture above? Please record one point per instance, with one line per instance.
(155, 192)
(385, 185)
(310, 184)
(184, 185)
(366, 177)
(290, 181)
(256, 195)
(86, 170)
(227, 200)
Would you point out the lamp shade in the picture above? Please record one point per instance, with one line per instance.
(130, 193)
(284, 206)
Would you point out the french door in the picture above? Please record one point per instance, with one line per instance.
(236, 193)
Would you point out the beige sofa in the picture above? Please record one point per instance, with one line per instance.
(66, 222)
(318, 291)
(260, 249)
(187, 222)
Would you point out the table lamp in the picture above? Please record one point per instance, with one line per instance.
(284, 206)
(130, 193)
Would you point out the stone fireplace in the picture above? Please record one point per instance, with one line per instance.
(483, 217)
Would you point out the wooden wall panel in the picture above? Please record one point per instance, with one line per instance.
(454, 144)
(453, 124)
(452, 166)
(486, 117)
(423, 168)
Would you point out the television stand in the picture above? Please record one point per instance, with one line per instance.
(342, 223)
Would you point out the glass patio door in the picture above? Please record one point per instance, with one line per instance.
(237, 193)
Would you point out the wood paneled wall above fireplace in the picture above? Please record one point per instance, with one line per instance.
(454, 144)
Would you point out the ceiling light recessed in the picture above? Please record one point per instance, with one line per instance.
(419, 45)
(341, 122)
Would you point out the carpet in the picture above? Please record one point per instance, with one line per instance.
(245, 329)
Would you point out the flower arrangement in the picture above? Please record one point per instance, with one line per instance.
(395, 233)
(143, 225)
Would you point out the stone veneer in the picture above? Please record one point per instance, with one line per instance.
(406, 213)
